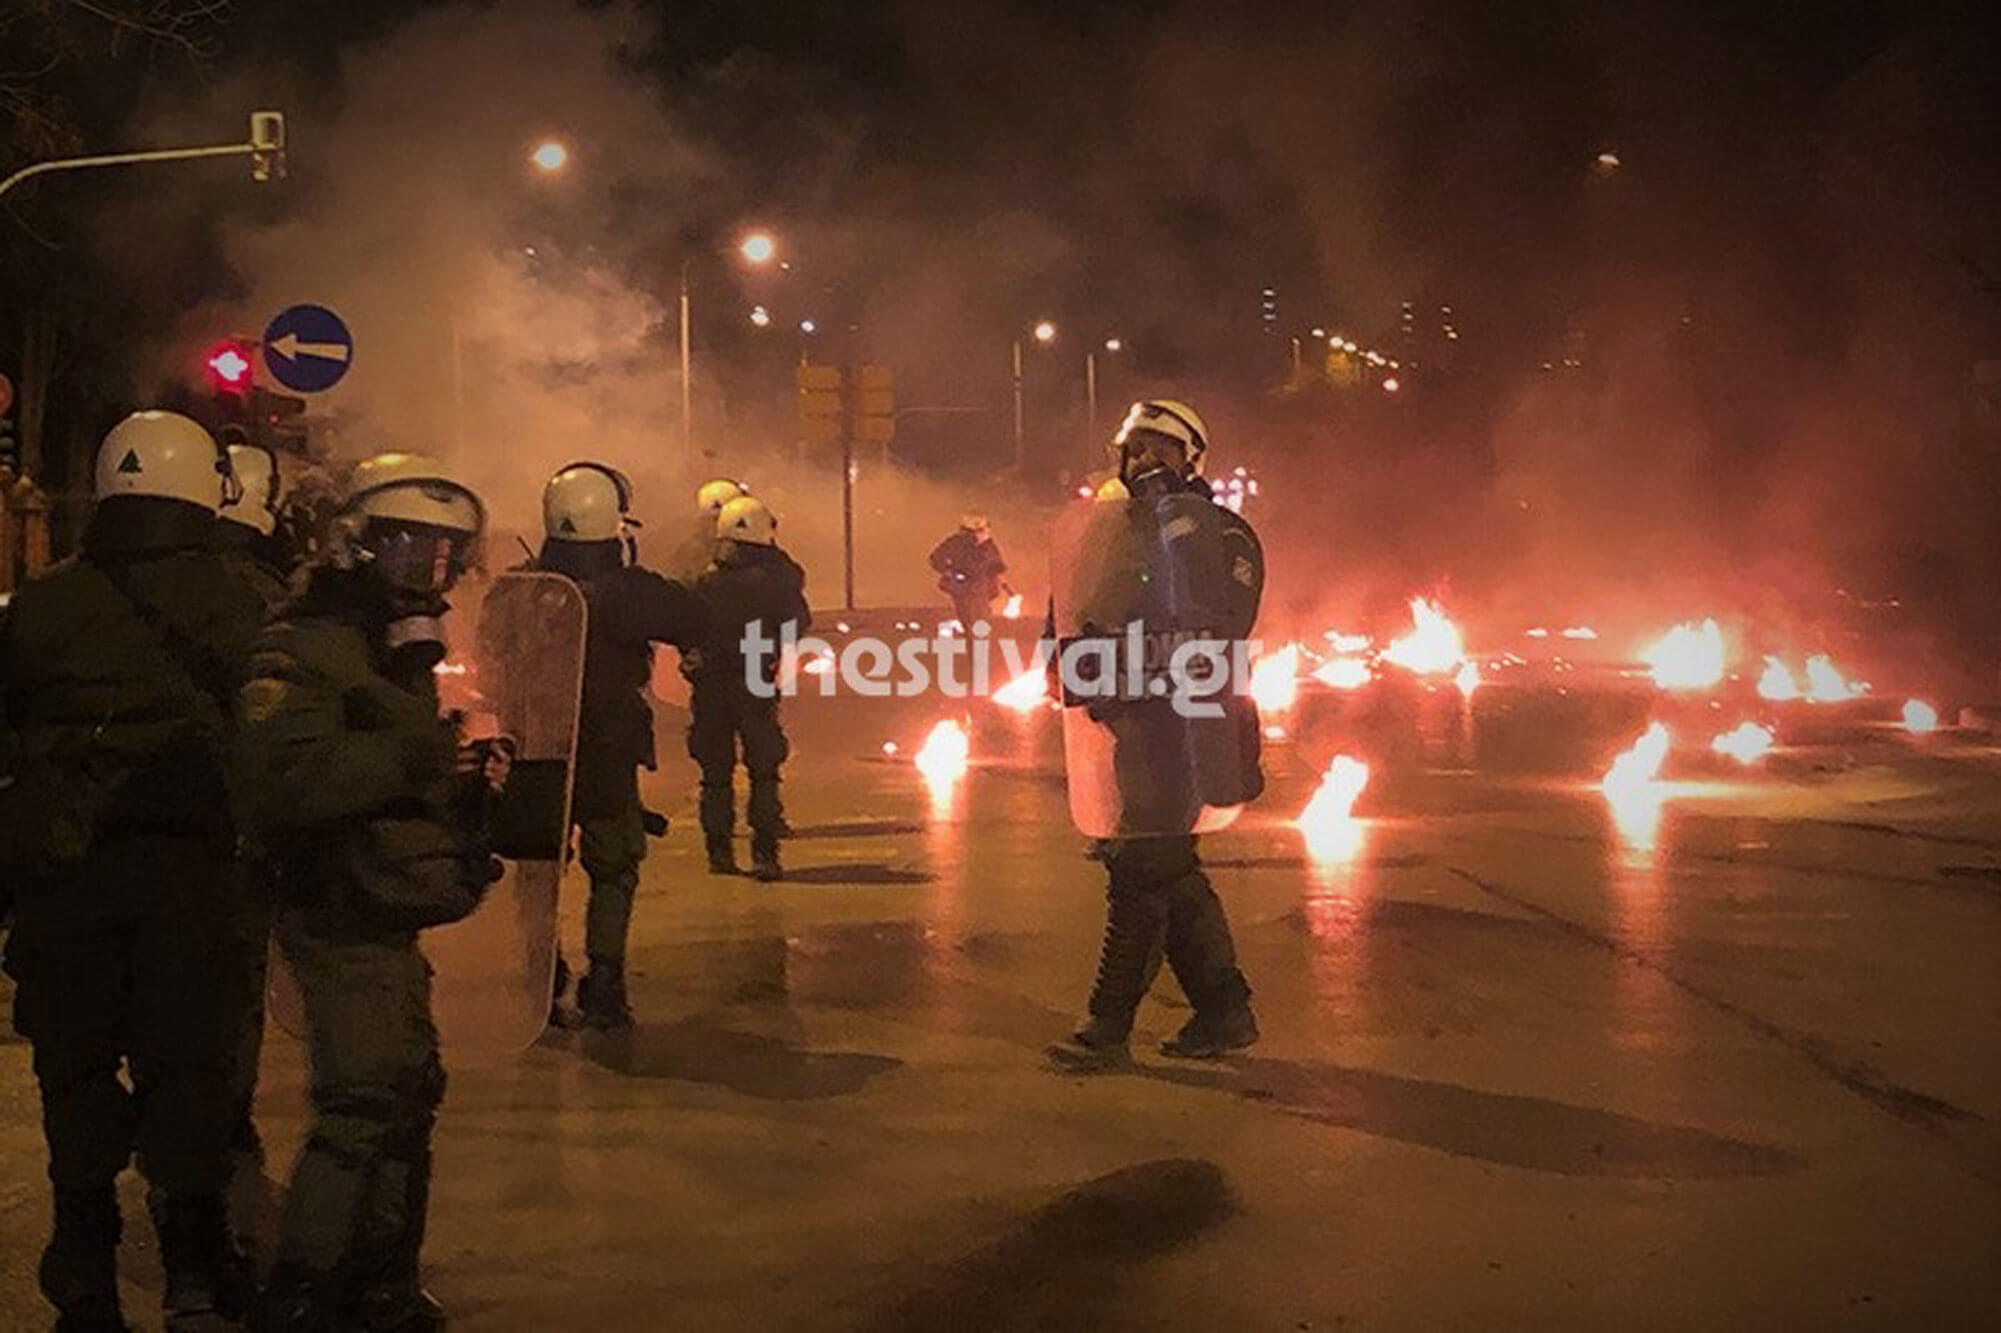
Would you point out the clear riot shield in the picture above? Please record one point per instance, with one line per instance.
(1152, 598)
(494, 972)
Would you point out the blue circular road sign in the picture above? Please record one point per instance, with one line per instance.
(307, 348)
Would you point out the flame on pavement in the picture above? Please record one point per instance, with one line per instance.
(1688, 657)
(1012, 610)
(1025, 691)
(1433, 647)
(1777, 683)
(942, 759)
(1824, 684)
(1344, 673)
(1633, 787)
(1920, 718)
(1275, 680)
(1747, 742)
(1332, 831)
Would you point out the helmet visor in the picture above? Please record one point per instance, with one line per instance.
(418, 557)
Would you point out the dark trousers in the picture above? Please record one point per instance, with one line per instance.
(1159, 904)
(360, 1191)
(726, 716)
(611, 842)
(134, 961)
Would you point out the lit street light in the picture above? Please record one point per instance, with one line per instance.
(1044, 332)
(550, 156)
(757, 248)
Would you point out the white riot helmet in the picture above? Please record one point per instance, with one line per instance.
(256, 472)
(977, 525)
(745, 519)
(166, 456)
(1176, 421)
(408, 521)
(587, 502)
(711, 496)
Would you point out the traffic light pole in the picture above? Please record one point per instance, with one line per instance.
(267, 139)
(847, 511)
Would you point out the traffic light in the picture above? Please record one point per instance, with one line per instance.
(229, 366)
(874, 390)
(275, 421)
(267, 145)
(820, 408)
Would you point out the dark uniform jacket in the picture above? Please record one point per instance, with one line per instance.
(122, 662)
(967, 565)
(748, 585)
(346, 771)
(630, 609)
(256, 559)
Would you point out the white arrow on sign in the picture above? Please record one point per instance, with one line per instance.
(292, 349)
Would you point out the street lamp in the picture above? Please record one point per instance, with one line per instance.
(1045, 333)
(550, 156)
(758, 248)
(1112, 346)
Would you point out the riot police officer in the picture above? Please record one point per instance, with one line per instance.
(696, 550)
(971, 571)
(246, 539)
(119, 668)
(751, 583)
(586, 517)
(346, 769)
(1158, 901)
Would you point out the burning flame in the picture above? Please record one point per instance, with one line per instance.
(1688, 657)
(1024, 692)
(819, 664)
(1012, 611)
(1824, 684)
(1275, 680)
(1347, 643)
(1633, 788)
(1328, 821)
(1468, 679)
(1747, 742)
(1344, 673)
(1434, 645)
(942, 758)
(1580, 632)
(450, 669)
(1777, 683)
(1920, 718)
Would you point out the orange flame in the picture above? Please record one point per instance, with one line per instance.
(1920, 718)
(1344, 673)
(1468, 679)
(1275, 680)
(1434, 645)
(1688, 657)
(1332, 831)
(1747, 742)
(1777, 683)
(1012, 611)
(1824, 684)
(943, 757)
(1633, 788)
(1025, 691)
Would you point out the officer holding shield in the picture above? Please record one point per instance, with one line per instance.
(1151, 763)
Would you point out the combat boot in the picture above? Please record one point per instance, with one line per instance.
(299, 1300)
(1210, 1036)
(398, 1307)
(722, 857)
(1099, 1046)
(601, 995)
(79, 1269)
(208, 1279)
(764, 867)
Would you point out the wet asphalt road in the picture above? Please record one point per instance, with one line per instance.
(1521, 1068)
